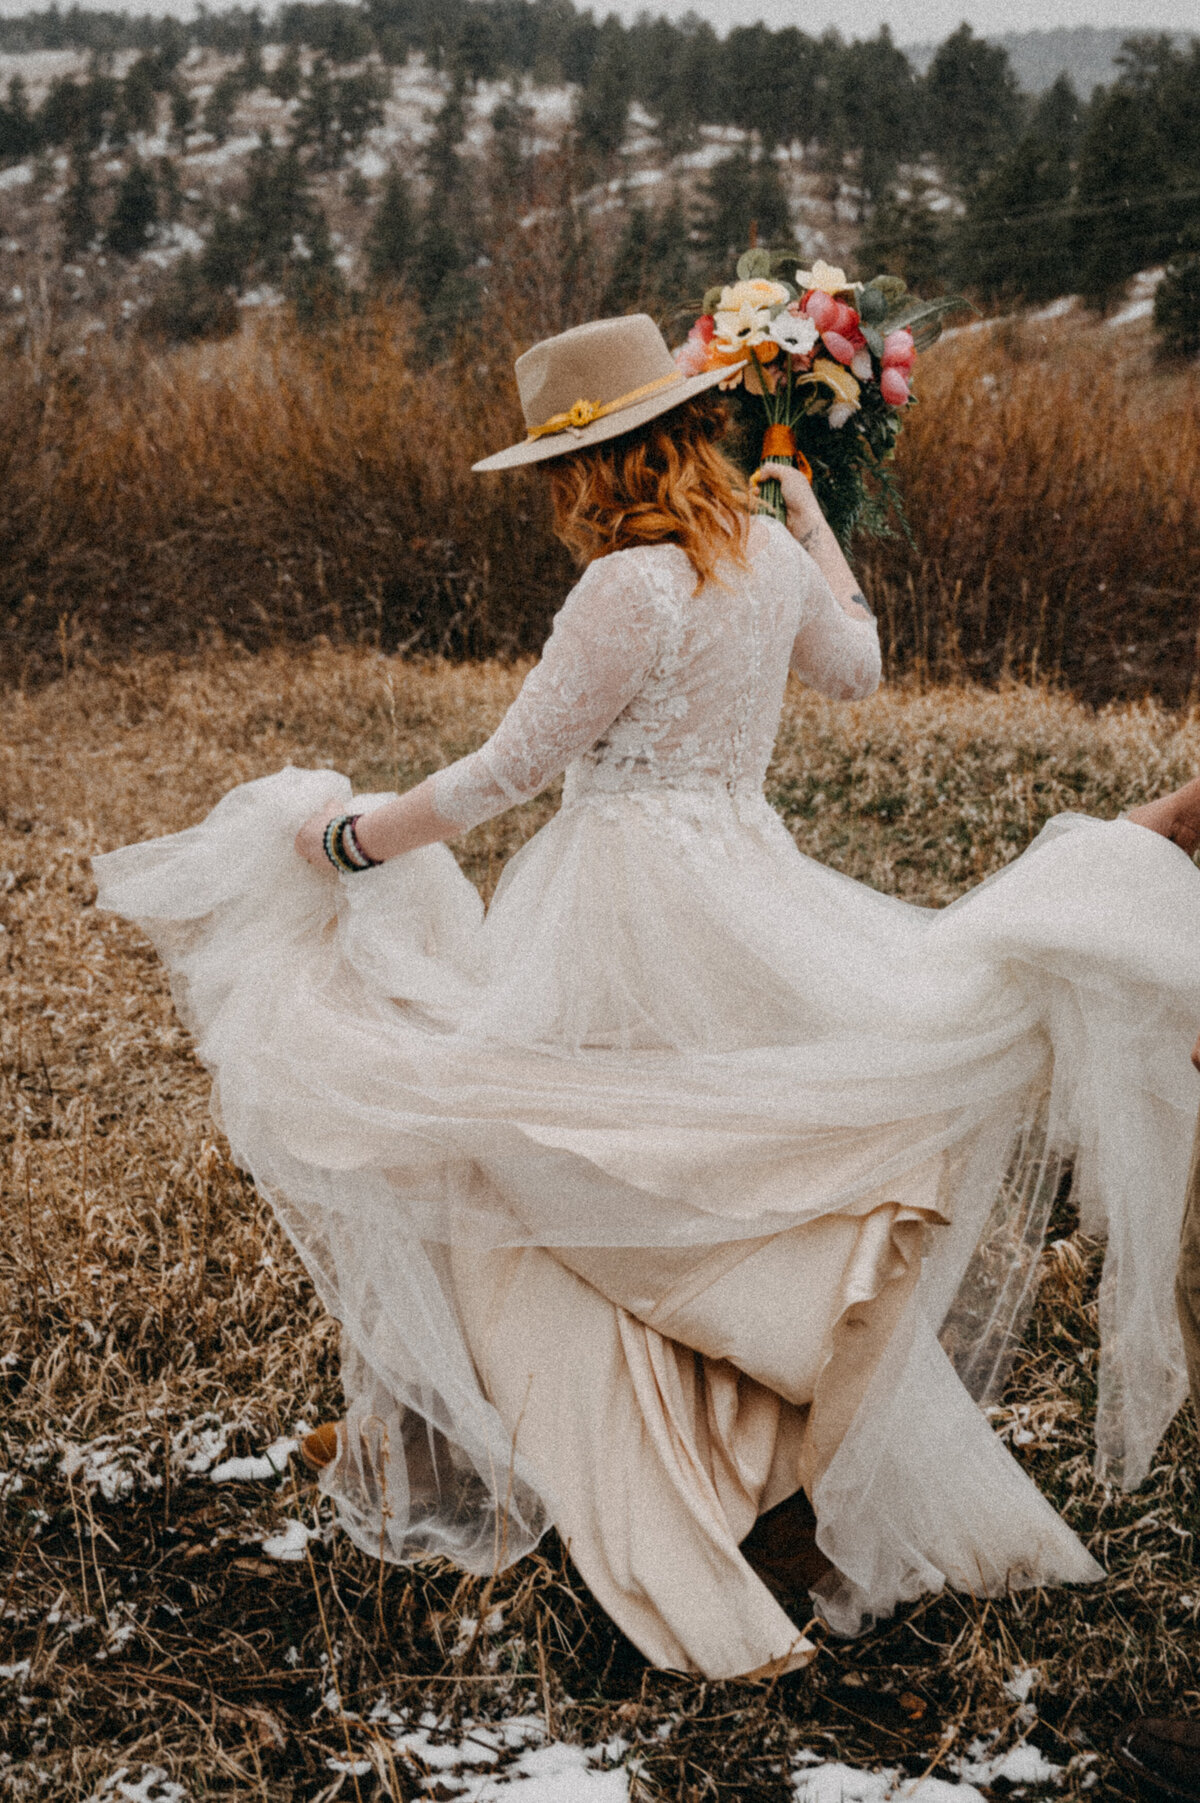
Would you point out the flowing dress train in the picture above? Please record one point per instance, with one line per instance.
(694, 1173)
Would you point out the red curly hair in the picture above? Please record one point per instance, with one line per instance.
(666, 483)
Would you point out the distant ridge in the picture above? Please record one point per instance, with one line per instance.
(1084, 52)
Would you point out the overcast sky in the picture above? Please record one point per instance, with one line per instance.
(912, 21)
(923, 21)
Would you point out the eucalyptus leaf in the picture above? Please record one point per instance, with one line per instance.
(712, 298)
(754, 265)
(891, 287)
(874, 338)
(921, 313)
(872, 305)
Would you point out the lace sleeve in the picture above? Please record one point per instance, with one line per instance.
(833, 653)
(605, 639)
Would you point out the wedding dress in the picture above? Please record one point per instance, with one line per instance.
(695, 1172)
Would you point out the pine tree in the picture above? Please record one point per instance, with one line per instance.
(447, 244)
(287, 77)
(315, 126)
(391, 240)
(1122, 219)
(170, 190)
(135, 213)
(741, 200)
(183, 116)
(972, 106)
(905, 237)
(315, 284)
(18, 134)
(1177, 303)
(220, 107)
(1013, 238)
(77, 216)
(602, 109)
(139, 99)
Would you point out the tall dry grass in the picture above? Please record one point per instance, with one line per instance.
(1052, 473)
(149, 1298)
(282, 486)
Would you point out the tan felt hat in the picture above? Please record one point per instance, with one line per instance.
(595, 382)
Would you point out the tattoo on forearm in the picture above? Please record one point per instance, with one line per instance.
(808, 539)
(862, 602)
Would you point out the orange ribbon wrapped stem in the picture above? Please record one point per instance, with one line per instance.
(779, 442)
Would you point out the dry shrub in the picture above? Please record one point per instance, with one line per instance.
(149, 1298)
(282, 486)
(274, 487)
(1053, 478)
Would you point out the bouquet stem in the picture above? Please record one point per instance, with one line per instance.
(779, 446)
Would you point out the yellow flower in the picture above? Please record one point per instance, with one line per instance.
(844, 385)
(825, 276)
(743, 315)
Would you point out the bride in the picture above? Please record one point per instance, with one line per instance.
(692, 1199)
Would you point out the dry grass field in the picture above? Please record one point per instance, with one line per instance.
(157, 1323)
(283, 485)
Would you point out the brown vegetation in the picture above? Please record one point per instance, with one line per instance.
(283, 486)
(149, 1295)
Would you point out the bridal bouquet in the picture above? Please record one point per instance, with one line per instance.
(829, 376)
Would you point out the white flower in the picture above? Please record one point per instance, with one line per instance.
(825, 276)
(743, 315)
(839, 413)
(794, 332)
(861, 366)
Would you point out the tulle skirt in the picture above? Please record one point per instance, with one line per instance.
(692, 1174)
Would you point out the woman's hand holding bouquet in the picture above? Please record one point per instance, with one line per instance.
(825, 365)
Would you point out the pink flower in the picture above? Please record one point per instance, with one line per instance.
(822, 309)
(703, 329)
(899, 351)
(862, 366)
(893, 385)
(843, 350)
(691, 359)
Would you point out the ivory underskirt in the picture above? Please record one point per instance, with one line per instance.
(666, 1403)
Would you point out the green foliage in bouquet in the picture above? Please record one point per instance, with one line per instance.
(820, 374)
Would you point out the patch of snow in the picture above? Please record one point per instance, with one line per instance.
(370, 163)
(16, 177)
(13, 1674)
(272, 1463)
(1022, 1764)
(1138, 309)
(152, 1787)
(832, 1782)
(1017, 1688)
(108, 1464)
(291, 1544)
(229, 152)
(1056, 310)
(198, 1445)
(265, 296)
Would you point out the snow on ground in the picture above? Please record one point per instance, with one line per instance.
(832, 1782)
(152, 1787)
(510, 1761)
(17, 176)
(291, 1543)
(272, 1463)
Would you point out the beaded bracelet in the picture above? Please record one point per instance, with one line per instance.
(342, 847)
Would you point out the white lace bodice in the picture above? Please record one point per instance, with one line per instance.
(644, 684)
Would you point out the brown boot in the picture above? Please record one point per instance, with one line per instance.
(1164, 1755)
(781, 1548)
(319, 1448)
